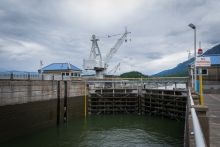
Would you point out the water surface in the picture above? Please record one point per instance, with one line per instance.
(108, 131)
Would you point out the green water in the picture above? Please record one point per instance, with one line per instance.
(108, 131)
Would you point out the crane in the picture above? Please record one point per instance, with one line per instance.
(96, 62)
(113, 71)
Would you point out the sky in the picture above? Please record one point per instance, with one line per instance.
(58, 31)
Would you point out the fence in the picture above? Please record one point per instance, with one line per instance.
(32, 76)
(146, 83)
(198, 134)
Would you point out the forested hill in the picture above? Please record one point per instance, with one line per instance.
(133, 74)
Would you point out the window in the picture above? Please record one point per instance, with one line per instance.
(71, 74)
(204, 71)
(63, 74)
(67, 74)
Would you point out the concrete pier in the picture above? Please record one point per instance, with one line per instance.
(213, 102)
(31, 105)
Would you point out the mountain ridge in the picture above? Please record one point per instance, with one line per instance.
(182, 68)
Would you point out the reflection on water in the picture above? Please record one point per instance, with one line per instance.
(108, 131)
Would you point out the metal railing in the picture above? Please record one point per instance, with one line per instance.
(199, 137)
(146, 83)
(32, 76)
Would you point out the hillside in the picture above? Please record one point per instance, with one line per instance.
(182, 68)
(179, 70)
(213, 51)
(132, 74)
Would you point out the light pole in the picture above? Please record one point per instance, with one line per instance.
(194, 28)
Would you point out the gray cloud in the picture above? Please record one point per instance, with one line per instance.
(60, 31)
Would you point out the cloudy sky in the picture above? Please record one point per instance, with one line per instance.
(60, 31)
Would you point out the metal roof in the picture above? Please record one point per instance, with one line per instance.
(61, 66)
(215, 60)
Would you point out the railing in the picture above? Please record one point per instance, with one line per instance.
(199, 137)
(146, 83)
(32, 76)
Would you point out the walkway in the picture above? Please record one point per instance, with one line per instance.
(213, 102)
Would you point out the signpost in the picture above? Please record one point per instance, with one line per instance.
(202, 62)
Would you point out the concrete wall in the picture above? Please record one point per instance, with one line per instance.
(27, 106)
(25, 91)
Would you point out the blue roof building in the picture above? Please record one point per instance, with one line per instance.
(64, 69)
(211, 73)
(215, 60)
(60, 67)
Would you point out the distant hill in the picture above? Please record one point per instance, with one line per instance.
(213, 51)
(182, 68)
(133, 74)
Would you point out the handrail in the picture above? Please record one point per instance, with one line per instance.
(143, 78)
(199, 137)
(34, 76)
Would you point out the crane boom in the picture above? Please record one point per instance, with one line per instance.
(113, 71)
(117, 45)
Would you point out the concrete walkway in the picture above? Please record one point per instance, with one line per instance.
(213, 102)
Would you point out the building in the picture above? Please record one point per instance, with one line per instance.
(211, 78)
(63, 69)
(212, 73)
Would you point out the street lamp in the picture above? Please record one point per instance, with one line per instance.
(194, 28)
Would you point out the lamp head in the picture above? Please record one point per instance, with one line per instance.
(192, 26)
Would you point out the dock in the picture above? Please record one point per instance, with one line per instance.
(213, 103)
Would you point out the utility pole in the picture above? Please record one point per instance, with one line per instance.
(194, 28)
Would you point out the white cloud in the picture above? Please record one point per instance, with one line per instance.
(21, 50)
(60, 31)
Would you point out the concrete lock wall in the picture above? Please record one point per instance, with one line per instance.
(26, 106)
